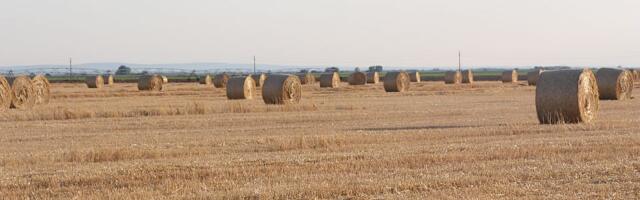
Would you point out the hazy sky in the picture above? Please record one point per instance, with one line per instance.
(322, 32)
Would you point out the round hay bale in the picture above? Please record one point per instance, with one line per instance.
(259, 79)
(241, 88)
(533, 76)
(6, 94)
(94, 81)
(206, 80)
(330, 80)
(220, 80)
(396, 82)
(357, 78)
(165, 79)
(415, 76)
(510, 76)
(150, 82)
(452, 77)
(23, 93)
(373, 77)
(467, 76)
(614, 84)
(41, 87)
(307, 78)
(282, 89)
(108, 79)
(567, 96)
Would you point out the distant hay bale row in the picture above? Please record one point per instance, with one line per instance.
(357, 78)
(220, 80)
(94, 81)
(241, 88)
(467, 76)
(533, 76)
(373, 77)
(567, 96)
(614, 84)
(165, 79)
(23, 92)
(282, 89)
(330, 80)
(259, 79)
(150, 82)
(42, 89)
(415, 76)
(206, 80)
(510, 76)
(6, 94)
(452, 77)
(396, 82)
(307, 78)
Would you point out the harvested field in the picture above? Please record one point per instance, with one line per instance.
(444, 141)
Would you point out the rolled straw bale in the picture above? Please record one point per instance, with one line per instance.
(510, 76)
(533, 76)
(94, 81)
(357, 78)
(373, 77)
(6, 94)
(282, 89)
(220, 80)
(467, 76)
(206, 80)
(452, 77)
(415, 76)
(108, 79)
(165, 79)
(567, 96)
(330, 80)
(259, 79)
(614, 84)
(396, 82)
(150, 82)
(23, 93)
(241, 88)
(307, 78)
(41, 87)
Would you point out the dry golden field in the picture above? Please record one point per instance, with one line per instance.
(354, 142)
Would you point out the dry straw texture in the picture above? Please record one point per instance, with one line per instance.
(165, 79)
(330, 80)
(108, 79)
(467, 76)
(415, 76)
(533, 76)
(150, 82)
(358, 78)
(24, 95)
(206, 80)
(241, 88)
(95, 81)
(6, 94)
(259, 79)
(396, 82)
(614, 84)
(42, 88)
(220, 80)
(567, 96)
(510, 76)
(307, 78)
(282, 89)
(452, 77)
(373, 77)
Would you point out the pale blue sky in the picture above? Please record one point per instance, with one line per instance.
(322, 32)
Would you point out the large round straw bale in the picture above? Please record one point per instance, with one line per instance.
(165, 79)
(259, 79)
(241, 88)
(23, 93)
(108, 79)
(41, 87)
(510, 76)
(533, 76)
(330, 80)
(282, 89)
(567, 96)
(415, 76)
(452, 77)
(94, 81)
(373, 77)
(614, 84)
(467, 76)
(357, 78)
(307, 78)
(396, 82)
(6, 94)
(206, 80)
(220, 80)
(150, 82)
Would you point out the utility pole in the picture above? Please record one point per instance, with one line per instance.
(70, 68)
(459, 61)
(254, 64)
